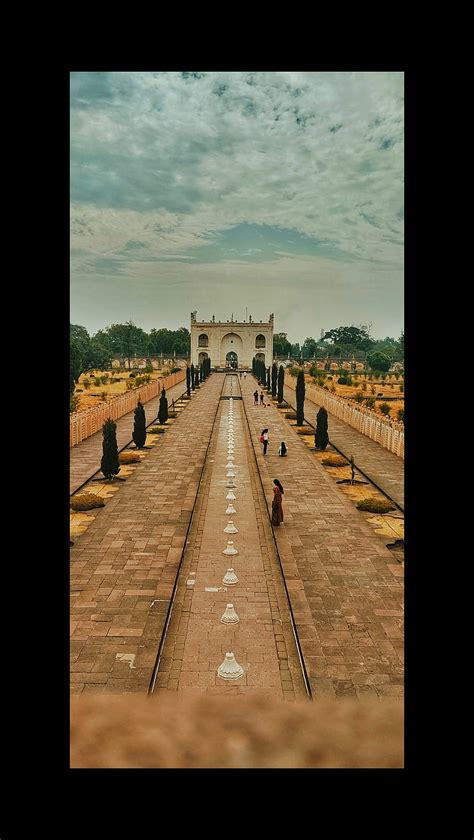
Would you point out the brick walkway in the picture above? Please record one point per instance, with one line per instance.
(385, 468)
(345, 587)
(86, 456)
(129, 555)
(262, 641)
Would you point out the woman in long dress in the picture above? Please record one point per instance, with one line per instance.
(277, 508)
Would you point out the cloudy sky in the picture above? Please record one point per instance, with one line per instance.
(280, 192)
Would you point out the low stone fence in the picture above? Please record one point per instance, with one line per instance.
(85, 423)
(389, 433)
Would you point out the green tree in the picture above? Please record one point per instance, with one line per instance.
(300, 394)
(281, 345)
(192, 377)
(378, 361)
(281, 383)
(350, 337)
(309, 347)
(109, 464)
(139, 426)
(321, 437)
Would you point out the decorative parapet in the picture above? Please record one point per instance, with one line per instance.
(83, 424)
(389, 433)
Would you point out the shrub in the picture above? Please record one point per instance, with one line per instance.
(163, 408)
(109, 464)
(359, 397)
(97, 382)
(139, 426)
(370, 402)
(86, 501)
(104, 379)
(374, 505)
(148, 368)
(87, 384)
(321, 437)
(334, 461)
(146, 377)
(300, 394)
(175, 370)
(384, 408)
(294, 371)
(280, 383)
(401, 414)
(129, 385)
(156, 430)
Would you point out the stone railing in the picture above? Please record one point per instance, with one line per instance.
(389, 433)
(85, 423)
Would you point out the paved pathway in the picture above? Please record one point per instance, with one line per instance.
(262, 641)
(385, 468)
(346, 588)
(129, 556)
(86, 456)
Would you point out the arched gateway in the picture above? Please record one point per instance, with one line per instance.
(236, 342)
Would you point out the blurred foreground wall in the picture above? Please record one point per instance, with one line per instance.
(195, 731)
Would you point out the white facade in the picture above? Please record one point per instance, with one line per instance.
(224, 341)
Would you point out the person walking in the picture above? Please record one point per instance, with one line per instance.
(264, 440)
(277, 507)
(261, 397)
(282, 450)
(255, 397)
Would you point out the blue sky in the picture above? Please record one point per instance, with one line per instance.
(280, 192)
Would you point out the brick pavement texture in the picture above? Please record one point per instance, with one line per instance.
(182, 731)
(124, 566)
(345, 587)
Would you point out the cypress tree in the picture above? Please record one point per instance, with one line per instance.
(188, 380)
(274, 379)
(269, 384)
(192, 377)
(321, 437)
(200, 373)
(163, 409)
(281, 383)
(300, 391)
(139, 426)
(109, 464)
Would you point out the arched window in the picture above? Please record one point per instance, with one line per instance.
(260, 341)
(203, 340)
